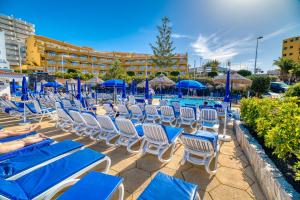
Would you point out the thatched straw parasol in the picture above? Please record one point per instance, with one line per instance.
(94, 81)
(161, 80)
(235, 78)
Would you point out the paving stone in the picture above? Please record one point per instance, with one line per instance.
(205, 181)
(149, 163)
(135, 179)
(204, 195)
(233, 177)
(232, 162)
(175, 163)
(231, 150)
(124, 164)
(169, 171)
(223, 192)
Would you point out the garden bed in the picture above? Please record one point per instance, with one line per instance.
(272, 173)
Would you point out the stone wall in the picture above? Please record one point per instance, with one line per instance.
(271, 180)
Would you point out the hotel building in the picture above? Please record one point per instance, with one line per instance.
(291, 48)
(16, 32)
(49, 55)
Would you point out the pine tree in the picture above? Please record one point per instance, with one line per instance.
(163, 48)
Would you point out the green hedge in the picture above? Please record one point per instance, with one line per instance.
(293, 91)
(277, 122)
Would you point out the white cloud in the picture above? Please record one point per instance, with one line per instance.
(280, 31)
(214, 47)
(180, 36)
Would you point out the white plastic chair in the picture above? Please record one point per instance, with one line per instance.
(46, 112)
(156, 140)
(131, 100)
(64, 120)
(123, 111)
(109, 110)
(200, 151)
(79, 124)
(109, 130)
(209, 119)
(168, 115)
(67, 104)
(151, 113)
(93, 127)
(137, 113)
(187, 117)
(129, 135)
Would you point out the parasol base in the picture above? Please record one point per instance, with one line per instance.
(224, 138)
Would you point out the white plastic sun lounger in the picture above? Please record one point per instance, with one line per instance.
(109, 130)
(129, 134)
(60, 174)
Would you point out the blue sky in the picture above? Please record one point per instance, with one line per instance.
(214, 29)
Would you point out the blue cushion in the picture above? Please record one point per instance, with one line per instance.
(27, 160)
(167, 187)
(46, 177)
(93, 186)
(30, 106)
(172, 133)
(208, 124)
(139, 130)
(12, 190)
(16, 137)
(25, 149)
(206, 135)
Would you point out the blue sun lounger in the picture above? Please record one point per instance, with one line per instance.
(167, 187)
(17, 137)
(39, 183)
(16, 167)
(25, 149)
(93, 186)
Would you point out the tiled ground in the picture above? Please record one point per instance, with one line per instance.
(234, 178)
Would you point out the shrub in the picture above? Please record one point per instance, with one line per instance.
(174, 73)
(212, 74)
(293, 91)
(277, 122)
(260, 84)
(244, 72)
(130, 73)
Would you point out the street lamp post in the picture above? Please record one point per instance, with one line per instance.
(258, 38)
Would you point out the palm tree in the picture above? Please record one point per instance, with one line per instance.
(286, 67)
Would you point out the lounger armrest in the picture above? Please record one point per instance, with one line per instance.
(62, 186)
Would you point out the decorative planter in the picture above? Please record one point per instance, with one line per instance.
(271, 180)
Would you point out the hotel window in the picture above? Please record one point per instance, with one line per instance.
(285, 41)
(291, 47)
(292, 40)
(51, 61)
(94, 58)
(84, 71)
(74, 63)
(285, 48)
(74, 56)
(296, 38)
(83, 57)
(284, 54)
(291, 54)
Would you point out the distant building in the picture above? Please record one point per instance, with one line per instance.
(16, 31)
(49, 55)
(4, 65)
(291, 48)
(274, 72)
(203, 71)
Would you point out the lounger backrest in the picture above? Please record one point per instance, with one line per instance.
(163, 102)
(187, 113)
(61, 113)
(57, 105)
(126, 126)
(37, 106)
(136, 110)
(77, 117)
(196, 143)
(151, 110)
(106, 123)
(208, 115)
(176, 106)
(122, 109)
(167, 111)
(67, 103)
(107, 108)
(90, 120)
(78, 104)
(155, 133)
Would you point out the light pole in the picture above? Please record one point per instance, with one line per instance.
(258, 38)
